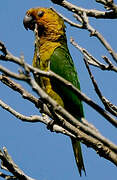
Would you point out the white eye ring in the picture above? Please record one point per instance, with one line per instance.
(40, 13)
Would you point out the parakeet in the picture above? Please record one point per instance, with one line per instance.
(54, 55)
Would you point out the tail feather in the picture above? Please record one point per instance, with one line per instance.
(78, 156)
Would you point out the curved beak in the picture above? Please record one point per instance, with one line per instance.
(28, 22)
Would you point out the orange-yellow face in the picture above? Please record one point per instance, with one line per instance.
(47, 20)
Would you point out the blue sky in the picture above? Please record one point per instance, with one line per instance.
(41, 154)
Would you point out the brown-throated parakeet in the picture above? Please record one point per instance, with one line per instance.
(54, 55)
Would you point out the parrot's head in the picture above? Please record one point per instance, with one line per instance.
(48, 22)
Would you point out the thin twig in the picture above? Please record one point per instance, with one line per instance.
(68, 20)
(7, 177)
(34, 118)
(94, 32)
(12, 74)
(17, 87)
(89, 59)
(108, 105)
(93, 61)
(90, 12)
(9, 164)
(31, 119)
(108, 4)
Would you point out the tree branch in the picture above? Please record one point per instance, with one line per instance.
(83, 18)
(108, 4)
(72, 122)
(93, 61)
(51, 74)
(9, 165)
(68, 20)
(89, 59)
(108, 105)
(38, 103)
(79, 10)
(64, 122)
(61, 111)
(95, 33)
(90, 12)
(79, 134)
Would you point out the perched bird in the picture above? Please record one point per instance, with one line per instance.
(54, 55)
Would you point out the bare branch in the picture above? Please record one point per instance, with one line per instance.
(38, 103)
(34, 118)
(7, 177)
(108, 4)
(95, 33)
(12, 74)
(102, 150)
(58, 109)
(69, 125)
(89, 59)
(68, 20)
(83, 18)
(25, 96)
(7, 56)
(31, 119)
(18, 88)
(108, 105)
(93, 61)
(8, 164)
(110, 64)
(81, 95)
(91, 126)
(66, 115)
(89, 12)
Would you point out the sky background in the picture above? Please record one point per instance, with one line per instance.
(38, 152)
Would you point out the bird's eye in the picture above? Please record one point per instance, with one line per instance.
(28, 15)
(40, 13)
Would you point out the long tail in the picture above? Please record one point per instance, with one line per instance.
(78, 155)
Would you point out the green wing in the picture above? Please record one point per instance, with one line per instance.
(62, 64)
